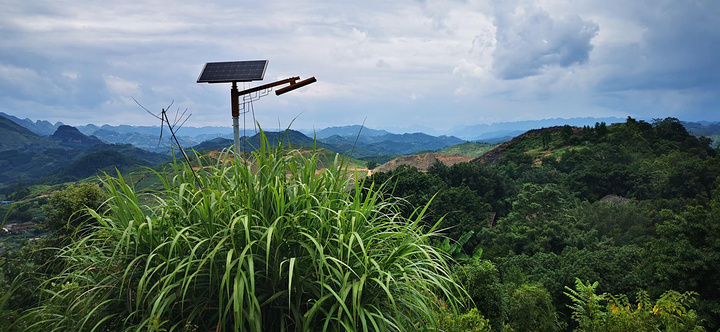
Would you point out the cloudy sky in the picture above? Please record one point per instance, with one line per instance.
(434, 64)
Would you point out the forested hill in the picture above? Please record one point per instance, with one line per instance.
(634, 206)
(13, 136)
(67, 155)
(634, 159)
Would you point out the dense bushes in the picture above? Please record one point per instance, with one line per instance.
(23, 270)
(615, 313)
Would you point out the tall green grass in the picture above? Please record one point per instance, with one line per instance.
(266, 244)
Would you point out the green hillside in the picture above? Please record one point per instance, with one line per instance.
(633, 206)
(366, 147)
(471, 149)
(15, 137)
(67, 155)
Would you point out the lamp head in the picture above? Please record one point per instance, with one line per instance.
(295, 86)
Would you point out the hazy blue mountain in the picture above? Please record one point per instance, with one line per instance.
(413, 129)
(352, 130)
(498, 136)
(291, 137)
(419, 138)
(366, 146)
(155, 130)
(88, 129)
(148, 137)
(147, 142)
(487, 132)
(40, 127)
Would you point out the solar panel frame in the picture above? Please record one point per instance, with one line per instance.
(233, 71)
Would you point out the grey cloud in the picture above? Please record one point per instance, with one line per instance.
(68, 60)
(382, 64)
(50, 82)
(678, 50)
(528, 39)
(672, 67)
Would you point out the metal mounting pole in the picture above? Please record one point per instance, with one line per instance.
(235, 103)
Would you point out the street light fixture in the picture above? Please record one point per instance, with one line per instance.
(245, 71)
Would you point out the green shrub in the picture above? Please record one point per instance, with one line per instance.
(267, 244)
(66, 212)
(670, 312)
(471, 321)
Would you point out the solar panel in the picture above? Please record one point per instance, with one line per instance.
(234, 71)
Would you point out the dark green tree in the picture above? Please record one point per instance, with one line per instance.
(531, 309)
(481, 279)
(539, 222)
(545, 137)
(686, 257)
(566, 134)
(491, 184)
(462, 211)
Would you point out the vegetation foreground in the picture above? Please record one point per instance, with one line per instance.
(612, 228)
(263, 246)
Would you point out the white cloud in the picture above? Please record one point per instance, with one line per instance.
(71, 75)
(119, 86)
(22, 81)
(466, 68)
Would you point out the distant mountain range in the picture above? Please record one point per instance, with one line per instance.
(147, 137)
(42, 152)
(345, 131)
(40, 127)
(364, 146)
(504, 131)
(68, 154)
(360, 141)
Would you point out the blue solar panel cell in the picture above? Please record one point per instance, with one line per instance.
(234, 71)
